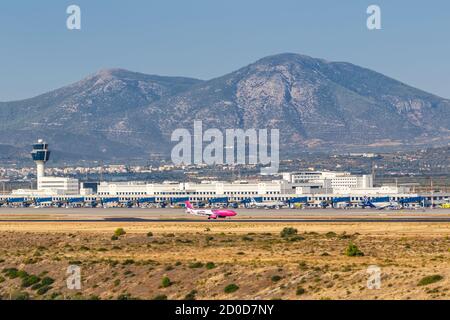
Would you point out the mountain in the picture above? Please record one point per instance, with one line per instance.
(91, 117)
(316, 104)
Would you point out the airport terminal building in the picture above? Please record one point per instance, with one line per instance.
(311, 187)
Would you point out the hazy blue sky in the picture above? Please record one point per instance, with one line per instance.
(208, 38)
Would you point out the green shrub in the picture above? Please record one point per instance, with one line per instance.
(116, 282)
(149, 234)
(275, 278)
(37, 286)
(196, 265)
(300, 291)
(166, 282)
(246, 238)
(114, 238)
(331, 234)
(47, 281)
(288, 232)
(210, 265)
(55, 296)
(43, 290)
(119, 232)
(191, 295)
(430, 279)
(29, 281)
(11, 273)
(22, 274)
(126, 296)
(20, 296)
(296, 238)
(231, 288)
(353, 251)
(2, 279)
(160, 297)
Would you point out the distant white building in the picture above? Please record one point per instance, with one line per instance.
(201, 191)
(331, 181)
(59, 185)
(51, 186)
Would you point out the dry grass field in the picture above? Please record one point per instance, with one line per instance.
(224, 260)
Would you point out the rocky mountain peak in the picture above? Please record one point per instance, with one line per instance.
(316, 105)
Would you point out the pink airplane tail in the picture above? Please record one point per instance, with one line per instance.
(188, 205)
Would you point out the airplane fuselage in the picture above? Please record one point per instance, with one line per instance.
(211, 214)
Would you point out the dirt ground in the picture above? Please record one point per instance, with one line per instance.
(224, 261)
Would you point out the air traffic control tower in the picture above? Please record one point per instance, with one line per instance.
(40, 155)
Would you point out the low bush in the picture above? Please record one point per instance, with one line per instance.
(37, 286)
(231, 288)
(210, 265)
(128, 262)
(353, 251)
(166, 282)
(191, 295)
(11, 273)
(430, 279)
(20, 296)
(296, 238)
(126, 296)
(119, 232)
(275, 278)
(196, 265)
(300, 291)
(43, 290)
(29, 281)
(288, 232)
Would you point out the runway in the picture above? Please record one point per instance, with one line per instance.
(357, 220)
(173, 215)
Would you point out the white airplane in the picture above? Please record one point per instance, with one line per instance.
(210, 214)
(267, 204)
(380, 205)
